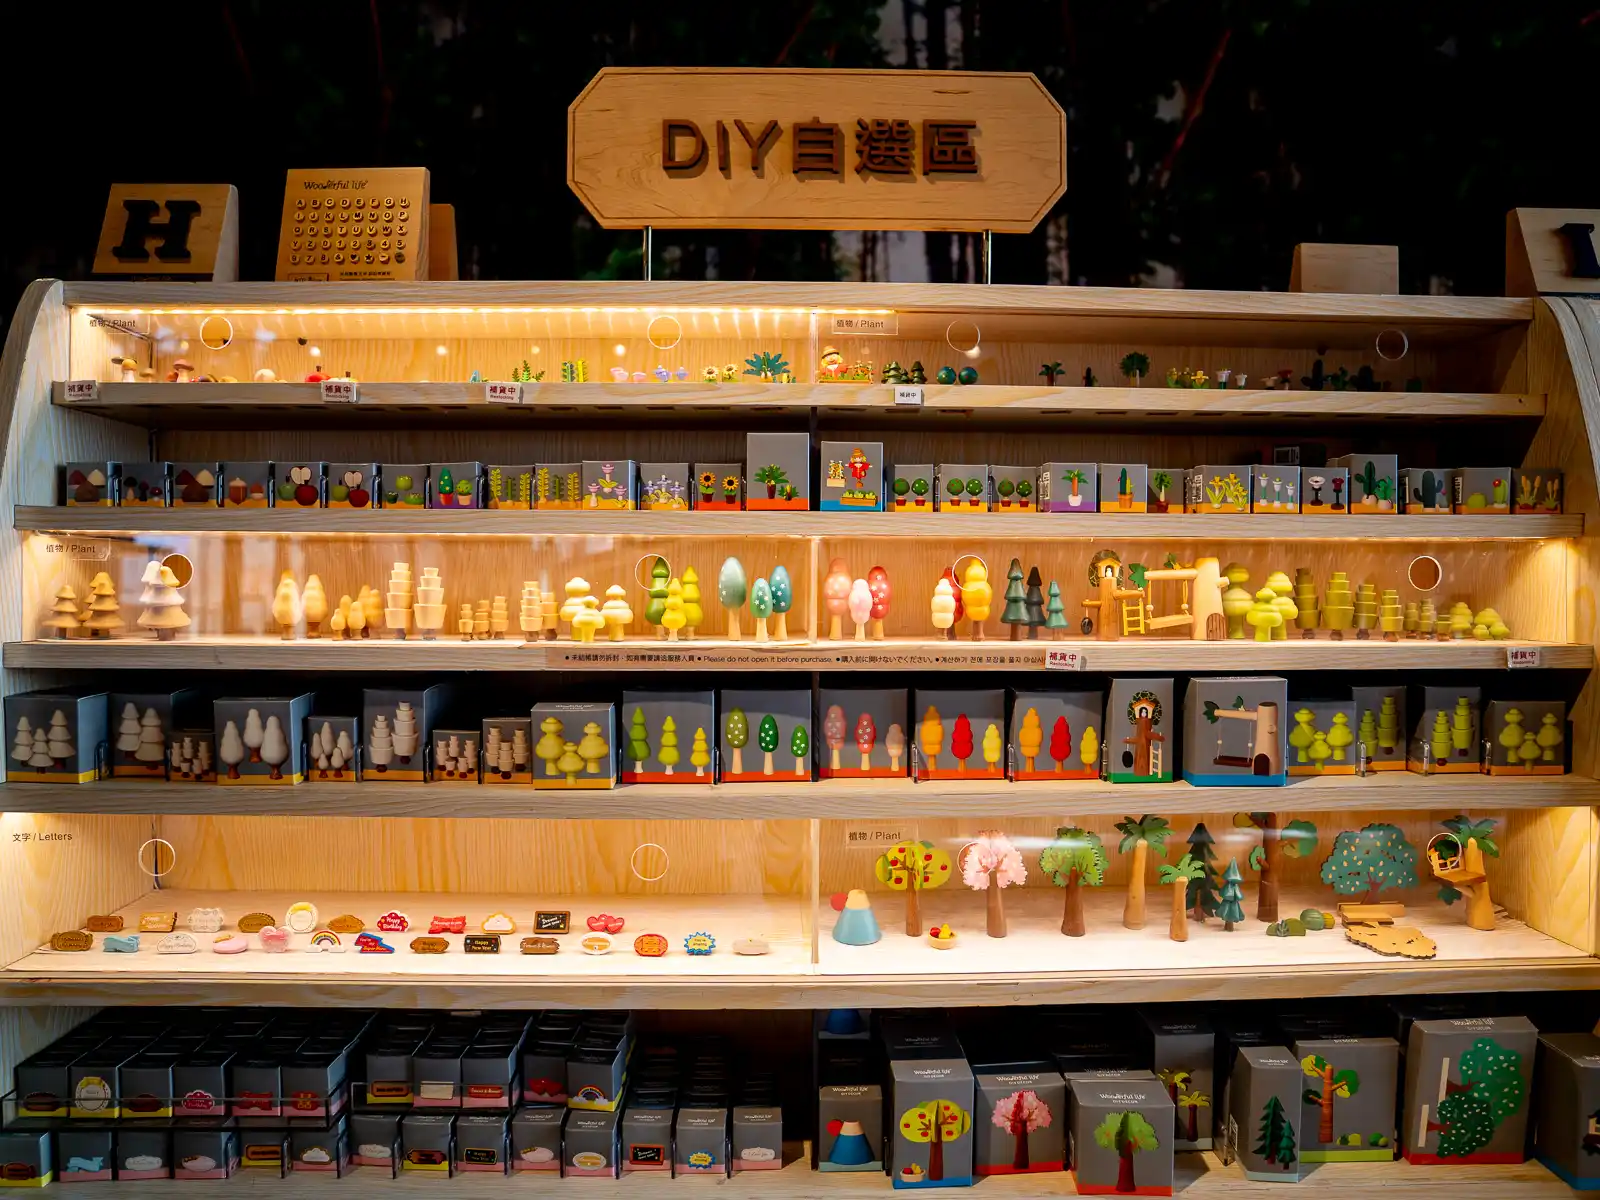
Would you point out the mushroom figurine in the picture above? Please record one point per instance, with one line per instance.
(182, 372)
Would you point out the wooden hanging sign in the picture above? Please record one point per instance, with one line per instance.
(738, 148)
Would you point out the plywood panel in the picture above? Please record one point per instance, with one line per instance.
(25, 1031)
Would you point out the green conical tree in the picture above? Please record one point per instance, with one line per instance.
(1016, 610)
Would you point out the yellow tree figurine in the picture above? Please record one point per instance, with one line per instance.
(63, 613)
(931, 737)
(618, 616)
(1030, 738)
(693, 614)
(976, 595)
(699, 754)
(314, 605)
(285, 605)
(550, 744)
(103, 612)
(912, 867)
(672, 618)
(1236, 598)
(992, 746)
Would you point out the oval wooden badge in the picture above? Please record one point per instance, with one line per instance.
(72, 940)
(255, 922)
(159, 922)
(347, 923)
(650, 945)
(110, 924)
(429, 945)
(540, 945)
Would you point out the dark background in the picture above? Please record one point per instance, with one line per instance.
(1205, 139)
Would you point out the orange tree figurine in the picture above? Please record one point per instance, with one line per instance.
(1076, 857)
(912, 867)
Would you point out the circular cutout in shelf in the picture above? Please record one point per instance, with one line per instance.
(1424, 573)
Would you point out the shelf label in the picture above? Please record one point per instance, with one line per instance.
(502, 393)
(339, 391)
(1522, 656)
(911, 396)
(874, 326)
(77, 549)
(874, 836)
(82, 391)
(1062, 659)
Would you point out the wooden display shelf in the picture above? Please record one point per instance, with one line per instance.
(261, 653)
(841, 799)
(1195, 1177)
(412, 522)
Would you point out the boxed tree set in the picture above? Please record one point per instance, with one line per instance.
(1055, 735)
(654, 723)
(960, 734)
(780, 720)
(863, 733)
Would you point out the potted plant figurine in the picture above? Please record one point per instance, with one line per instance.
(1135, 367)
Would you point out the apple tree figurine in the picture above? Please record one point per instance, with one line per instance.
(912, 867)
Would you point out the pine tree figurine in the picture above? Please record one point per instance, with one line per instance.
(63, 613)
(163, 607)
(22, 748)
(1015, 613)
(918, 375)
(1231, 909)
(103, 612)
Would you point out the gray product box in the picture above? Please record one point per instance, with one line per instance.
(1526, 737)
(1455, 746)
(1466, 1092)
(591, 729)
(1069, 487)
(200, 1081)
(1538, 490)
(426, 1142)
(852, 477)
(1183, 1055)
(1477, 491)
(507, 750)
(665, 486)
(1426, 491)
(247, 484)
(784, 715)
(536, 1139)
(259, 739)
(481, 1142)
(146, 1085)
(1347, 1113)
(508, 486)
(558, 485)
(298, 484)
(1120, 1141)
(850, 1127)
(1049, 743)
(1385, 740)
(455, 755)
(1245, 749)
(700, 1142)
(1166, 490)
(910, 488)
(610, 484)
(42, 1082)
(544, 1070)
(1213, 488)
(374, 1138)
(404, 485)
(455, 485)
(971, 485)
(388, 1071)
(1567, 1109)
(961, 748)
(194, 484)
(1092, 1075)
(144, 724)
(489, 1072)
(646, 1140)
(756, 1138)
(143, 1154)
(597, 1071)
(711, 489)
(1124, 487)
(398, 725)
(333, 749)
(313, 1082)
(205, 1150)
(1140, 730)
(1373, 482)
(1275, 489)
(27, 1157)
(66, 735)
(142, 485)
(778, 471)
(1325, 490)
(256, 1084)
(82, 1155)
(926, 1089)
(436, 1074)
(192, 756)
(353, 485)
(89, 483)
(1264, 1096)
(1016, 489)
(864, 733)
(589, 1145)
(1020, 1122)
(319, 1149)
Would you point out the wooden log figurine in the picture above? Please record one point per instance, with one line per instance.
(976, 596)
(1138, 836)
(836, 597)
(990, 863)
(860, 605)
(163, 606)
(398, 599)
(286, 606)
(1179, 876)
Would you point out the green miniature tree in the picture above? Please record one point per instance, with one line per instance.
(1490, 1091)
(638, 740)
(1016, 610)
(975, 487)
(761, 606)
(1050, 371)
(1075, 857)
(1035, 602)
(732, 591)
(1127, 1133)
(1055, 616)
(656, 608)
(668, 754)
(919, 488)
(902, 487)
(1161, 482)
(1203, 891)
(1511, 736)
(1231, 908)
(1439, 740)
(918, 375)
(1461, 727)
(1465, 829)
(1135, 366)
(736, 730)
(1367, 861)
(1276, 1135)
(767, 739)
(1336, 1085)
(782, 600)
(800, 747)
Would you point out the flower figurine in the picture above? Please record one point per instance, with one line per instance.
(699, 943)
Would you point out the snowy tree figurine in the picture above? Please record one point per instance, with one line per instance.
(22, 748)
(152, 747)
(991, 862)
(231, 749)
(59, 740)
(103, 614)
(163, 607)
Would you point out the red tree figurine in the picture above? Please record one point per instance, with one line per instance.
(1061, 743)
(833, 731)
(961, 741)
(878, 585)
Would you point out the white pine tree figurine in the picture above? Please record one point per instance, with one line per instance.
(499, 619)
(530, 613)
(40, 759)
(380, 746)
(286, 606)
(163, 607)
(103, 614)
(398, 599)
(60, 739)
(274, 747)
(128, 730)
(63, 616)
(428, 613)
(343, 754)
(22, 749)
(253, 733)
(152, 747)
(314, 603)
(183, 758)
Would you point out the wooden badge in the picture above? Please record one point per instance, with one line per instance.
(596, 943)
(540, 945)
(481, 943)
(71, 941)
(177, 943)
(158, 922)
(447, 925)
(699, 943)
(255, 922)
(393, 922)
(347, 923)
(751, 946)
(650, 945)
(205, 920)
(552, 922)
(114, 943)
(429, 945)
(499, 922)
(605, 923)
(111, 924)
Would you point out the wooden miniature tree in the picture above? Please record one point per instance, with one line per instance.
(767, 739)
(1020, 1114)
(1297, 839)
(866, 739)
(836, 597)
(991, 863)
(693, 614)
(1338, 606)
(736, 729)
(833, 734)
(878, 586)
(1550, 736)
(657, 604)
(1015, 613)
(1180, 876)
(1030, 738)
(894, 745)
(992, 746)
(529, 617)
(672, 618)
(231, 752)
(570, 764)
(127, 729)
(1236, 598)
(1278, 584)
(576, 589)
(286, 605)
(1061, 742)
(1076, 857)
(699, 754)
(859, 604)
(616, 613)
(397, 600)
(152, 744)
(1305, 601)
(163, 606)
(800, 747)
(1137, 838)
(103, 613)
(949, 576)
(1230, 906)
(22, 748)
(549, 745)
(913, 867)
(429, 611)
(1089, 749)
(1474, 840)
(314, 605)
(1127, 1133)
(1391, 615)
(58, 741)
(942, 614)
(1033, 601)
(638, 741)
(274, 747)
(761, 606)
(1367, 610)
(935, 1123)
(63, 616)
(782, 601)
(930, 737)
(1369, 861)
(961, 741)
(463, 621)
(1055, 617)
(1275, 1136)
(732, 590)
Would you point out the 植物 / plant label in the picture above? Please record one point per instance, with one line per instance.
(887, 325)
(1062, 659)
(502, 393)
(339, 391)
(909, 396)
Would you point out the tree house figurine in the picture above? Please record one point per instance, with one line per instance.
(1107, 578)
(1458, 862)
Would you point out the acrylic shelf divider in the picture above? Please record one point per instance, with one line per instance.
(823, 799)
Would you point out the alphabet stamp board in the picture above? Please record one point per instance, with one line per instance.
(355, 226)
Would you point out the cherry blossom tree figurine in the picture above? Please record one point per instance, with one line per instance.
(866, 739)
(836, 595)
(878, 585)
(860, 604)
(991, 862)
(833, 734)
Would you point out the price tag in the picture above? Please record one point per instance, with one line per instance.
(1522, 656)
(81, 391)
(339, 391)
(908, 395)
(502, 393)
(1063, 659)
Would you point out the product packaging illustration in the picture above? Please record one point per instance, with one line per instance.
(259, 739)
(1056, 735)
(852, 477)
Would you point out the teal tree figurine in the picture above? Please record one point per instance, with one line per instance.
(1015, 613)
(732, 590)
(760, 606)
(1055, 615)
(1231, 907)
(782, 601)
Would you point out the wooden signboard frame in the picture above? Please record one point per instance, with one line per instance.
(1552, 251)
(187, 231)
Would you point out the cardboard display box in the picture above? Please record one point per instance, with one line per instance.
(911, 485)
(1347, 1113)
(259, 739)
(28, 1159)
(142, 742)
(765, 735)
(963, 487)
(756, 1139)
(649, 719)
(455, 756)
(143, 1154)
(1467, 1090)
(1264, 1097)
(320, 1149)
(194, 484)
(612, 484)
(558, 485)
(374, 1139)
(700, 1141)
(508, 486)
(863, 734)
(1121, 1137)
(404, 485)
(850, 1127)
(1217, 489)
(1373, 483)
(1183, 1055)
(353, 485)
(1069, 487)
(1233, 731)
(1427, 491)
(1483, 490)
(779, 471)
(589, 1145)
(1567, 1108)
(1538, 491)
(1020, 1122)
(63, 734)
(646, 1140)
(931, 1108)
(507, 750)
(852, 477)
(1322, 737)
(1123, 487)
(247, 484)
(1139, 723)
(86, 1155)
(426, 1142)
(481, 1142)
(1449, 729)
(1056, 735)
(1275, 489)
(333, 749)
(90, 484)
(205, 1150)
(536, 1139)
(399, 731)
(1526, 737)
(576, 745)
(1015, 489)
(1325, 490)
(959, 734)
(455, 485)
(719, 487)
(665, 486)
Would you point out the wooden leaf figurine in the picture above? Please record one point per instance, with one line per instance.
(976, 596)
(1137, 838)
(733, 589)
(878, 584)
(836, 596)
(1075, 858)
(163, 606)
(988, 864)
(912, 867)
(860, 605)
(1179, 877)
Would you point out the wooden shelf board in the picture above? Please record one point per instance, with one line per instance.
(838, 799)
(411, 522)
(1111, 964)
(261, 653)
(1196, 1177)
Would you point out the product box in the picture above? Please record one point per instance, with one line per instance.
(1426, 491)
(764, 736)
(610, 484)
(332, 749)
(1069, 487)
(779, 471)
(142, 484)
(536, 1139)
(1275, 489)
(1217, 489)
(264, 1149)
(700, 1141)
(404, 485)
(319, 1149)
(931, 1105)
(489, 1071)
(1264, 1097)
(1467, 1090)
(558, 485)
(1166, 490)
(1322, 737)
(200, 1078)
(1478, 490)
(963, 487)
(850, 1127)
(1055, 735)
(911, 486)
(852, 477)
(1233, 731)
(82, 1156)
(28, 1160)
(719, 487)
(1567, 1108)
(399, 730)
(544, 1067)
(863, 733)
(426, 1142)
(1098, 1075)
(95, 1076)
(256, 1081)
(646, 1140)
(1325, 490)
(597, 1069)
(959, 734)
(298, 484)
(1139, 722)
(1380, 722)
(455, 485)
(142, 1154)
(247, 484)
(374, 1139)
(1121, 1137)
(507, 750)
(352, 485)
(42, 1083)
(756, 1142)
(259, 739)
(146, 1085)
(1445, 737)
(1538, 491)
(193, 756)
(508, 486)
(57, 737)
(313, 1078)
(576, 746)
(1123, 487)
(143, 736)
(1373, 480)
(1015, 489)
(481, 1142)
(664, 486)
(90, 483)
(1182, 1054)
(1019, 1122)
(455, 755)
(194, 484)
(205, 1149)
(589, 1145)
(1526, 737)
(436, 1071)
(1347, 1114)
